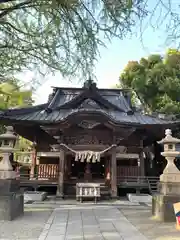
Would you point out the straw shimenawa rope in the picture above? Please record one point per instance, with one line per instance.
(87, 155)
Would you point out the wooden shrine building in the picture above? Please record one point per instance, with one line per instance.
(88, 134)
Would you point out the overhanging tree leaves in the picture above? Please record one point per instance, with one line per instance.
(60, 35)
(156, 81)
(13, 95)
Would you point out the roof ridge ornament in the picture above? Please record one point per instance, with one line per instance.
(90, 84)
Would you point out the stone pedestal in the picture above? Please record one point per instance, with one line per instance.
(11, 199)
(162, 203)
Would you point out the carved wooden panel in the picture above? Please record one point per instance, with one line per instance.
(91, 132)
(86, 137)
(89, 124)
(84, 140)
(91, 137)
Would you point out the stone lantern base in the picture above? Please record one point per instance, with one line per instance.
(162, 203)
(11, 199)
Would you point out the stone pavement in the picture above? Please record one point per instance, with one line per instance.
(67, 220)
(152, 229)
(89, 223)
(27, 227)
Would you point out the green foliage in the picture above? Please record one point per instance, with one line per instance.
(134, 98)
(156, 81)
(23, 144)
(23, 150)
(11, 95)
(60, 35)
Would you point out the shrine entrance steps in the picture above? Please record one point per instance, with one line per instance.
(70, 191)
(153, 184)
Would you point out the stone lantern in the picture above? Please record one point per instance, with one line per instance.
(11, 198)
(8, 140)
(169, 185)
(171, 173)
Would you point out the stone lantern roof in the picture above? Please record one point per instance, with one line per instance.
(9, 134)
(168, 138)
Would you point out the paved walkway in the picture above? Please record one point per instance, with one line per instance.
(89, 223)
(27, 227)
(59, 221)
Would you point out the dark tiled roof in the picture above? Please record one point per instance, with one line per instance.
(114, 116)
(62, 96)
(117, 99)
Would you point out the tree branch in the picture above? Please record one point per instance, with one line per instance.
(5, 1)
(15, 7)
(16, 29)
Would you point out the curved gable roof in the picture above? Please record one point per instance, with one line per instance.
(66, 102)
(67, 99)
(44, 117)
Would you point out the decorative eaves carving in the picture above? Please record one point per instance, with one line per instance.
(88, 124)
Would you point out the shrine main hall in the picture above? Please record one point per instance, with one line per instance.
(89, 134)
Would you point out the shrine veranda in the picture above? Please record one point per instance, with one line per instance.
(89, 135)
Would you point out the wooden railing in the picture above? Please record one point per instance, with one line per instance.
(42, 172)
(48, 171)
(127, 171)
(134, 182)
(139, 182)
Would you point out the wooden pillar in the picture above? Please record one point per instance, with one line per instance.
(141, 159)
(142, 165)
(33, 163)
(60, 187)
(113, 173)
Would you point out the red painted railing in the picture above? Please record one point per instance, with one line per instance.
(48, 171)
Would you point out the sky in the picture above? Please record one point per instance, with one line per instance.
(115, 57)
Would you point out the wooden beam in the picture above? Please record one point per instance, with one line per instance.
(127, 156)
(48, 154)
